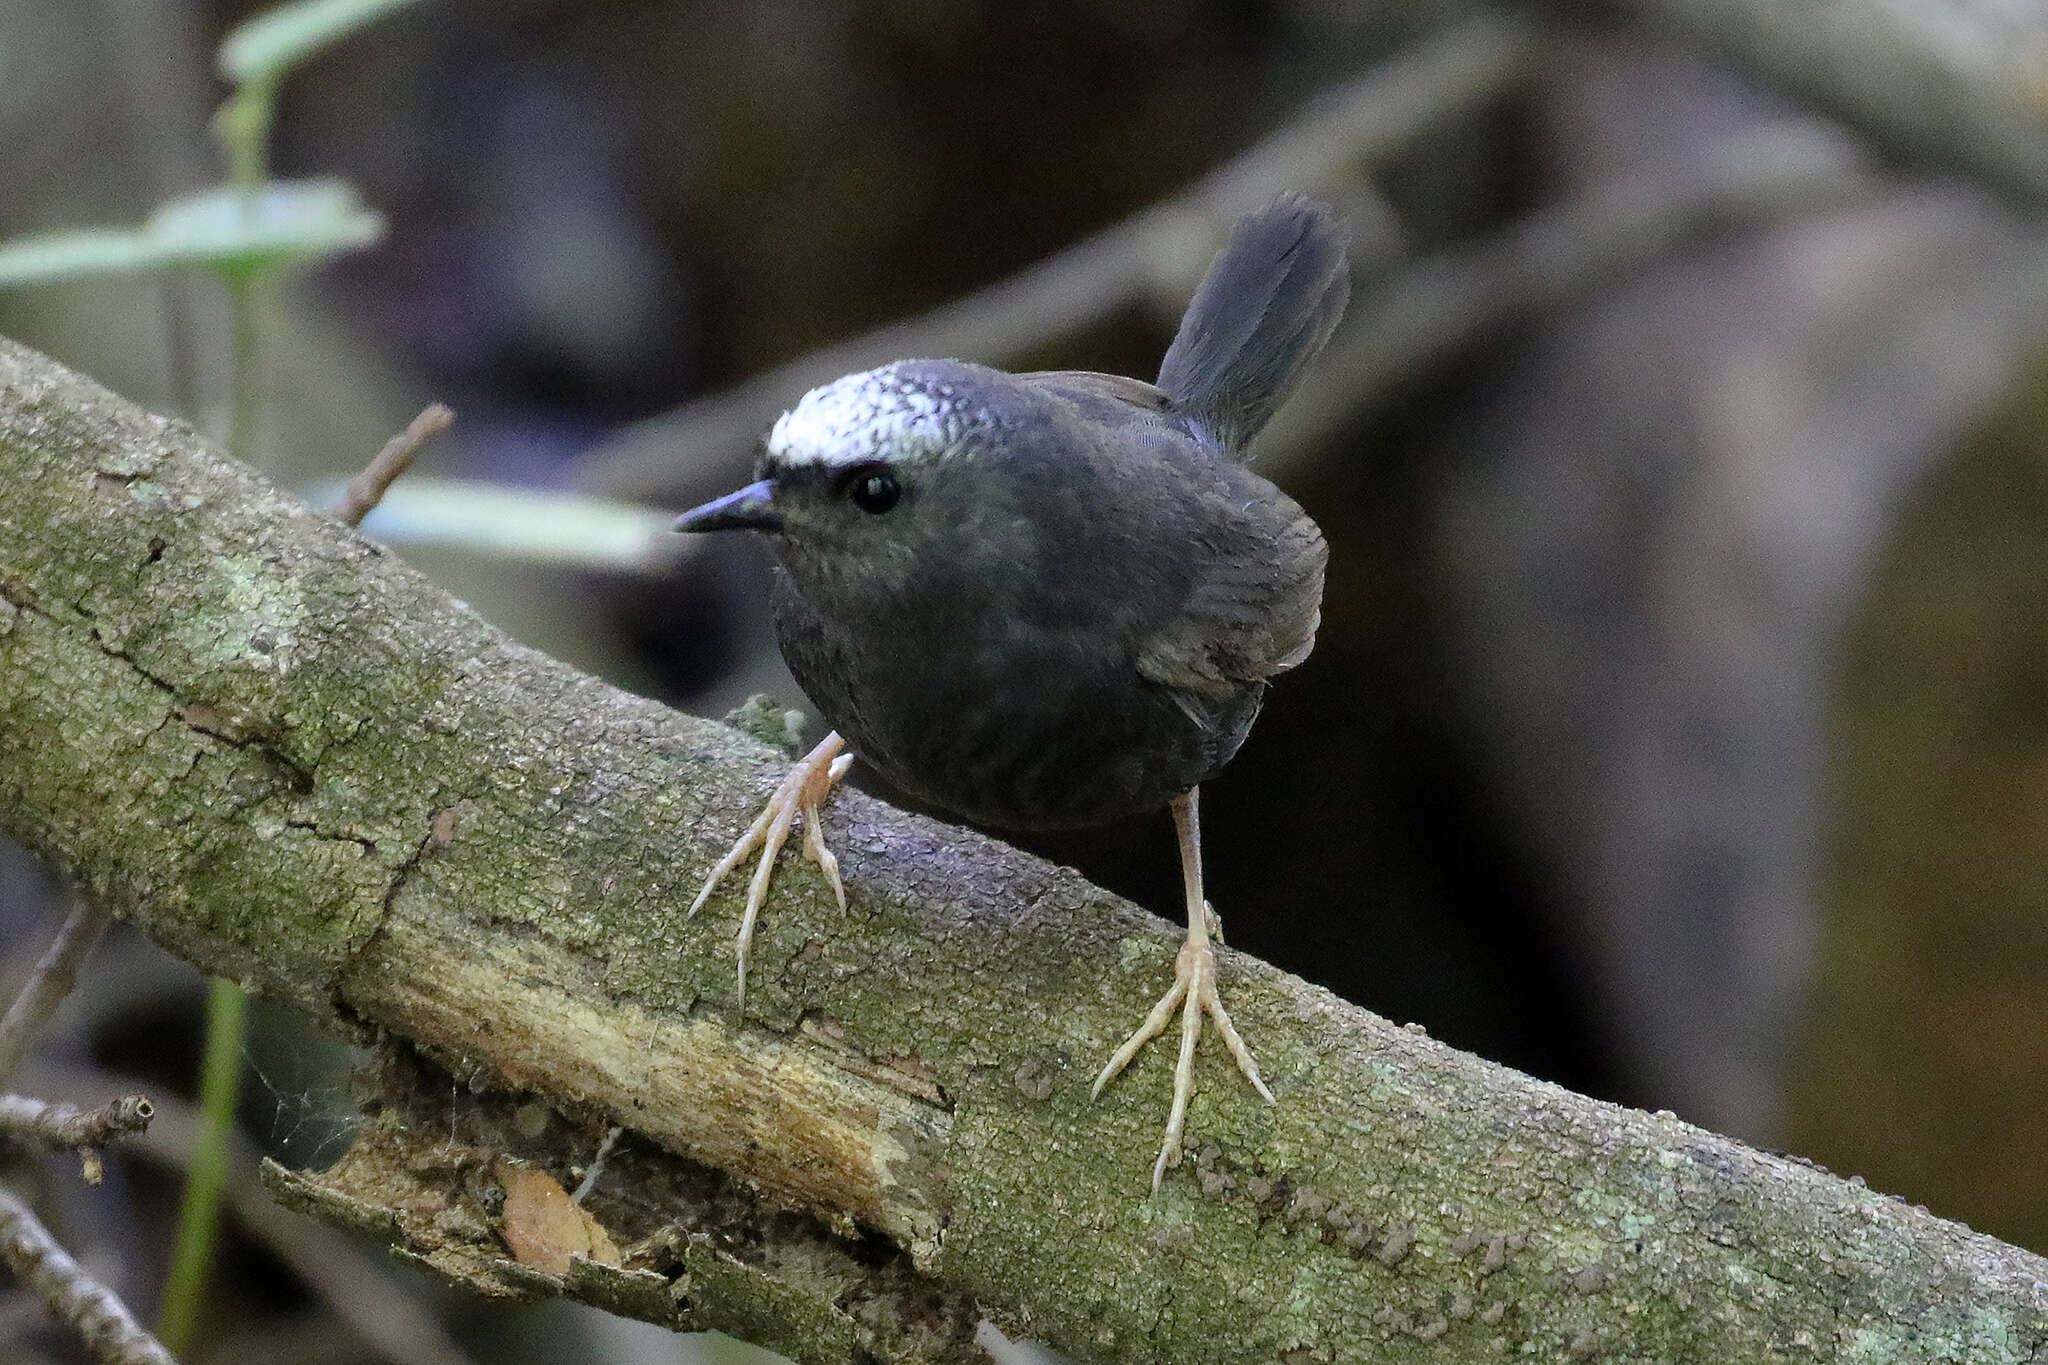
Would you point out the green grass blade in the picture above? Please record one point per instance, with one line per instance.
(206, 1169)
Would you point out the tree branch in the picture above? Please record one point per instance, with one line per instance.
(47, 1124)
(56, 972)
(360, 495)
(1961, 82)
(73, 1297)
(296, 763)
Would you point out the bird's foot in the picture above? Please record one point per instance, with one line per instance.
(801, 793)
(1194, 994)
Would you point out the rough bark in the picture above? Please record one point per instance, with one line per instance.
(297, 763)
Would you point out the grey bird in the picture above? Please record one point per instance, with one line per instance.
(1052, 599)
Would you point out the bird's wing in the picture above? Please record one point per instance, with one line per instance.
(1253, 605)
(1251, 579)
(1135, 393)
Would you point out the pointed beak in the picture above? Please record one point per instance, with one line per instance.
(750, 509)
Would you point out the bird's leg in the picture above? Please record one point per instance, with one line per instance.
(1194, 993)
(801, 793)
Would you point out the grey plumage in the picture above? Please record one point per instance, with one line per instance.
(1073, 608)
(1270, 300)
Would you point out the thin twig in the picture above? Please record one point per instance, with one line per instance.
(51, 1124)
(366, 489)
(334, 1269)
(50, 982)
(1157, 253)
(73, 1297)
(85, 1131)
(596, 1168)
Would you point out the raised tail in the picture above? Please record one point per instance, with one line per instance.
(1269, 302)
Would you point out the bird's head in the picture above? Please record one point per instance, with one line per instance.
(874, 477)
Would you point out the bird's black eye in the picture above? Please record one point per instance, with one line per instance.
(874, 491)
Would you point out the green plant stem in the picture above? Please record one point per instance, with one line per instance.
(244, 130)
(206, 1172)
(246, 309)
(221, 1063)
(244, 127)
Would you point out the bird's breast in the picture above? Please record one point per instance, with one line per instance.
(1005, 721)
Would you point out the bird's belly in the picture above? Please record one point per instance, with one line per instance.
(1014, 729)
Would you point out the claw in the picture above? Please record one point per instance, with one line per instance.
(803, 792)
(1194, 994)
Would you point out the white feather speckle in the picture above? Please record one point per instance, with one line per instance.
(876, 414)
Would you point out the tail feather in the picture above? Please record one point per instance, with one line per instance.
(1269, 302)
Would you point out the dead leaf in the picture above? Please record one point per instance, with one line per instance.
(544, 1227)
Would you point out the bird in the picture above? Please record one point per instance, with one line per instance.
(1052, 599)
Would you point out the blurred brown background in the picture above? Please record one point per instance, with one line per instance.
(1679, 726)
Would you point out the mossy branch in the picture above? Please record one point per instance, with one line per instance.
(298, 764)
